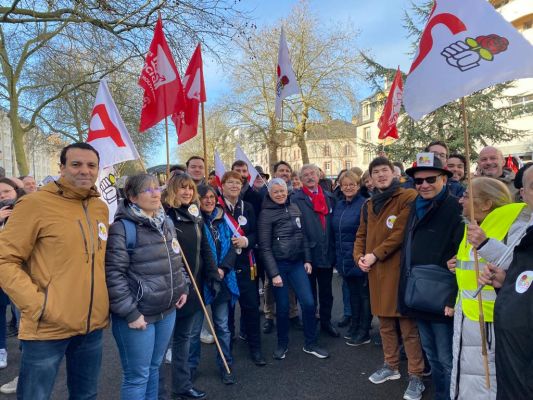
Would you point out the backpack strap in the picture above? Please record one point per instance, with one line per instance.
(131, 234)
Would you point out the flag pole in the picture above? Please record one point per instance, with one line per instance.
(168, 148)
(476, 258)
(204, 138)
(204, 309)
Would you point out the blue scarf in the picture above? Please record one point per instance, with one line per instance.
(224, 238)
(422, 205)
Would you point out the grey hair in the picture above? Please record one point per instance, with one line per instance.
(137, 183)
(276, 181)
(309, 166)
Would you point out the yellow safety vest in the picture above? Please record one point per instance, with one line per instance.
(495, 225)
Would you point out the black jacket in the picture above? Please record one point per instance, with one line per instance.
(280, 235)
(189, 230)
(151, 279)
(249, 195)
(245, 212)
(435, 239)
(321, 241)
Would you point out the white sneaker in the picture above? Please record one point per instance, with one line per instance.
(168, 356)
(206, 337)
(10, 387)
(3, 358)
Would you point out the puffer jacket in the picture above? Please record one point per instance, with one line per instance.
(345, 222)
(281, 237)
(150, 280)
(52, 262)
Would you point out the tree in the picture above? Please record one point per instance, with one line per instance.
(92, 39)
(326, 67)
(486, 112)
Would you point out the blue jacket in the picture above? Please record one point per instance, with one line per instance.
(345, 222)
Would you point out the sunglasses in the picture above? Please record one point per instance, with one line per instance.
(429, 179)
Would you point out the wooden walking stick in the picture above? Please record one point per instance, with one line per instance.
(476, 258)
(204, 309)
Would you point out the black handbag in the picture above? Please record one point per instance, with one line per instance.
(428, 287)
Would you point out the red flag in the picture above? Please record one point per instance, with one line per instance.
(186, 120)
(161, 82)
(389, 117)
(510, 164)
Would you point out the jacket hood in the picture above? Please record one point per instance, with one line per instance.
(63, 188)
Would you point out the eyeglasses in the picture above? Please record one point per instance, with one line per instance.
(349, 186)
(152, 191)
(428, 179)
(233, 183)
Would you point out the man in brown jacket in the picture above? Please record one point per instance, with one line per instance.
(52, 267)
(377, 251)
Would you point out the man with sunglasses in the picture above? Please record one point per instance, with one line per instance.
(433, 233)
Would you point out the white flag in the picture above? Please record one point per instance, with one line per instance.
(107, 132)
(108, 191)
(286, 84)
(466, 46)
(220, 169)
(252, 172)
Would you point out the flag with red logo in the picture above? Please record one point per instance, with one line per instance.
(389, 117)
(252, 172)
(286, 84)
(163, 92)
(107, 132)
(466, 46)
(186, 119)
(220, 170)
(511, 164)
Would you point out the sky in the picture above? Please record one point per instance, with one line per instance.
(381, 34)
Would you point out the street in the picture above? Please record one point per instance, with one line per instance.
(344, 376)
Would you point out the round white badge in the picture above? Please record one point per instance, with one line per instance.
(102, 231)
(175, 246)
(238, 250)
(193, 210)
(391, 219)
(523, 282)
(242, 220)
(298, 222)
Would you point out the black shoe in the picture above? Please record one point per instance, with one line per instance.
(296, 323)
(350, 333)
(344, 322)
(280, 352)
(228, 379)
(268, 326)
(316, 351)
(330, 330)
(258, 359)
(192, 393)
(358, 340)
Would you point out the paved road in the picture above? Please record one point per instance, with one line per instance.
(344, 376)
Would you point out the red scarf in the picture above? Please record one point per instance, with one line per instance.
(319, 204)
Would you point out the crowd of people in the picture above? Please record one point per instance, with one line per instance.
(412, 254)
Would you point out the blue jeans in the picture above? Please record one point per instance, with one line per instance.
(347, 309)
(293, 274)
(4, 301)
(220, 311)
(437, 341)
(141, 353)
(41, 359)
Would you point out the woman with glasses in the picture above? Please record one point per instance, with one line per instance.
(218, 234)
(494, 227)
(145, 281)
(181, 200)
(345, 221)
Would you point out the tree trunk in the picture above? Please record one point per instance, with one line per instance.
(18, 143)
(301, 127)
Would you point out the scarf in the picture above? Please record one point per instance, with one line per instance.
(422, 205)
(319, 204)
(156, 221)
(380, 198)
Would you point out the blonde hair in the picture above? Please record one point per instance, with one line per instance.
(179, 182)
(351, 176)
(491, 189)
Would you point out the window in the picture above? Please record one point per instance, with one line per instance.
(327, 151)
(366, 111)
(348, 164)
(366, 157)
(327, 166)
(347, 150)
(367, 136)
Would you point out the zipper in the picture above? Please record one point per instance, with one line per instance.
(92, 266)
(170, 268)
(84, 240)
(198, 245)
